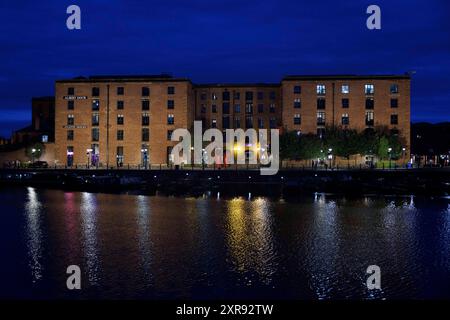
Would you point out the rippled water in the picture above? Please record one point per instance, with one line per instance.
(204, 248)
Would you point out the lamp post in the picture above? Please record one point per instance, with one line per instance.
(330, 155)
(390, 157)
(33, 151)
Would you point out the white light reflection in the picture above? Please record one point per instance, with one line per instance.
(34, 234)
(89, 224)
(143, 219)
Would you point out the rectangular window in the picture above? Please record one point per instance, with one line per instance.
(213, 96)
(145, 105)
(70, 91)
(237, 95)
(248, 122)
(273, 95)
(320, 118)
(297, 103)
(226, 96)
(226, 122)
(272, 123)
(272, 108)
(260, 95)
(119, 156)
(369, 89)
(170, 90)
(70, 105)
(321, 103)
(226, 108)
(95, 119)
(120, 119)
(145, 91)
(249, 108)
(237, 108)
(260, 123)
(170, 119)
(214, 123)
(70, 120)
(95, 105)
(170, 104)
(120, 105)
(145, 119)
(119, 135)
(95, 92)
(345, 89)
(203, 96)
(369, 118)
(345, 103)
(237, 122)
(145, 134)
(321, 89)
(214, 108)
(394, 119)
(394, 88)
(202, 108)
(95, 134)
(370, 103)
(120, 91)
(297, 119)
(169, 134)
(345, 120)
(70, 135)
(297, 89)
(394, 103)
(249, 95)
(260, 108)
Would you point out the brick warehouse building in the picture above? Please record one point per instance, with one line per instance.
(114, 120)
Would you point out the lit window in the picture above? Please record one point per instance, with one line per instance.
(345, 89)
(369, 89)
(394, 88)
(321, 89)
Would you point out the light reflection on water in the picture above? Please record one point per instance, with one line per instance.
(213, 247)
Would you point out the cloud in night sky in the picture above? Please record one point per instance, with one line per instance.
(224, 41)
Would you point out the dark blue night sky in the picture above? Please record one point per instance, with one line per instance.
(222, 41)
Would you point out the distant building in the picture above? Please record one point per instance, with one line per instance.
(115, 120)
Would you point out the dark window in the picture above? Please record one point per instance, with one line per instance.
(394, 88)
(320, 132)
(203, 96)
(226, 108)
(145, 134)
(170, 119)
(321, 102)
(170, 104)
(345, 103)
(70, 105)
(237, 95)
(70, 120)
(226, 122)
(394, 103)
(248, 121)
(214, 108)
(273, 95)
(71, 91)
(297, 103)
(203, 108)
(260, 123)
(95, 119)
(370, 103)
(170, 90)
(272, 108)
(395, 132)
(237, 122)
(260, 95)
(297, 119)
(297, 89)
(145, 119)
(120, 91)
(145, 105)
(145, 91)
(169, 134)
(225, 96)
(120, 119)
(249, 95)
(120, 105)
(95, 92)
(95, 105)
(345, 120)
(237, 108)
(394, 119)
(120, 135)
(95, 134)
(260, 108)
(70, 135)
(273, 123)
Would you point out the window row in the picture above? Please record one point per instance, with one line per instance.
(249, 95)
(237, 108)
(120, 91)
(226, 123)
(345, 119)
(369, 89)
(145, 119)
(145, 104)
(345, 103)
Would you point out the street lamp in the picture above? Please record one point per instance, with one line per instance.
(330, 155)
(390, 157)
(33, 151)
